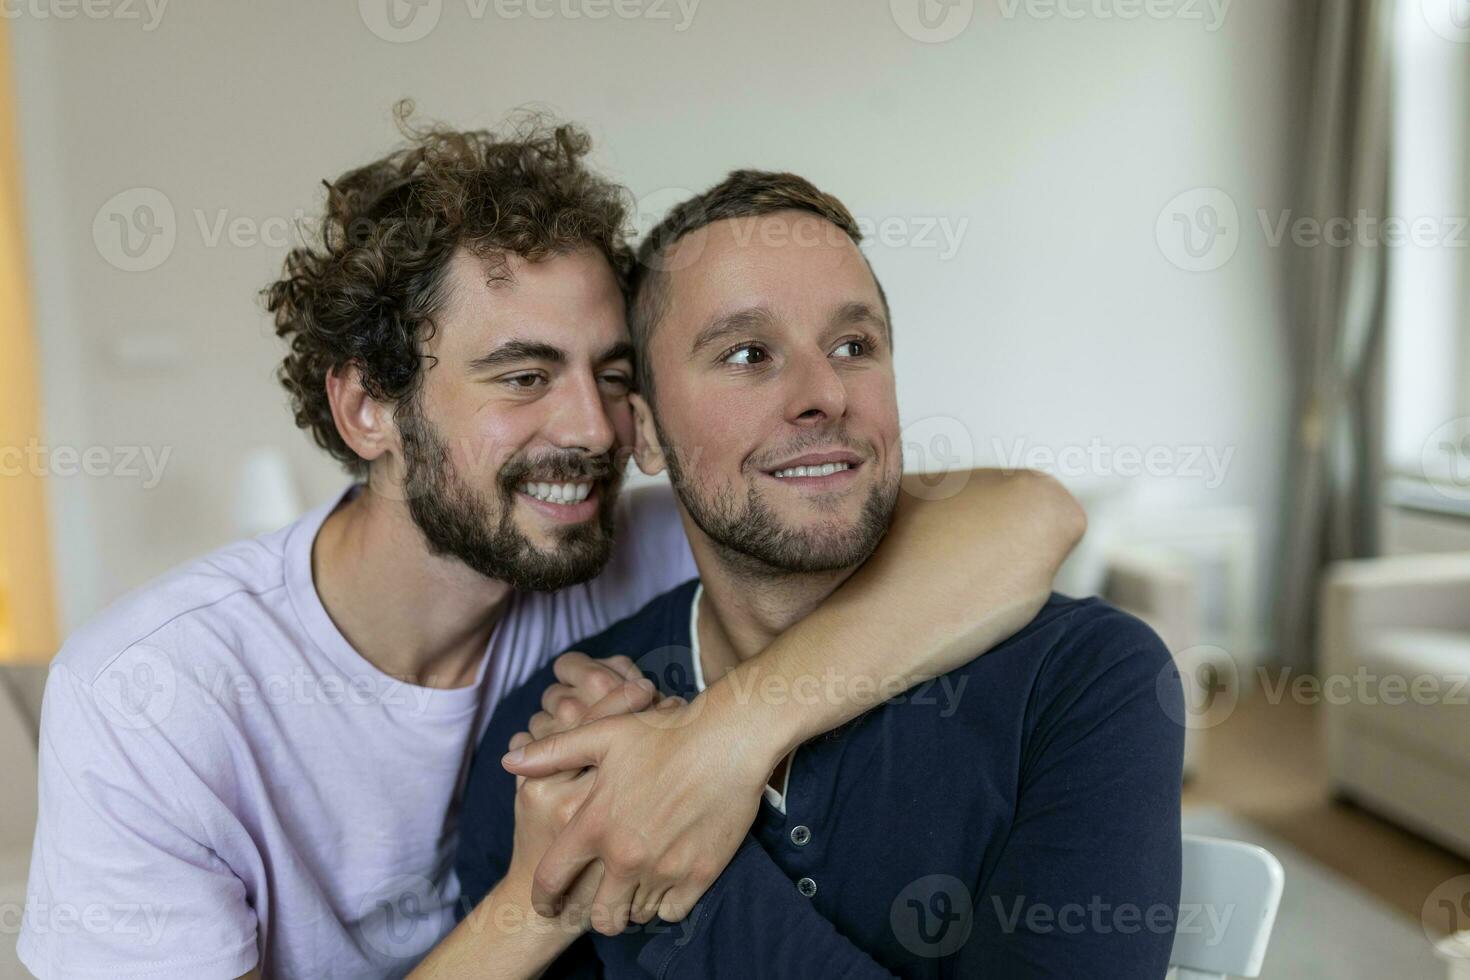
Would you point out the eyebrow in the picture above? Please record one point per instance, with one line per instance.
(724, 326)
(620, 351)
(517, 351)
(859, 312)
(755, 317)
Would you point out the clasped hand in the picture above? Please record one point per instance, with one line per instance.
(629, 804)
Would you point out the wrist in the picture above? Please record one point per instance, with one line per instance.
(758, 728)
(508, 913)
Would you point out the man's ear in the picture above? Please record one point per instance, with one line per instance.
(363, 422)
(646, 448)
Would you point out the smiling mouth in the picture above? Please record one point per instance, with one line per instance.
(823, 469)
(566, 494)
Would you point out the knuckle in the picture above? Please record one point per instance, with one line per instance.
(624, 854)
(542, 881)
(566, 810)
(552, 695)
(703, 871)
(602, 683)
(535, 791)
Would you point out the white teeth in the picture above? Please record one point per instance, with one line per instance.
(826, 469)
(557, 493)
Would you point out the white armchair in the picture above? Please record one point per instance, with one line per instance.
(1394, 659)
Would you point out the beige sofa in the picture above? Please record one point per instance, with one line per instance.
(20, 713)
(1394, 748)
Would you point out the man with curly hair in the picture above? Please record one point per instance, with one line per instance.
(252, 766)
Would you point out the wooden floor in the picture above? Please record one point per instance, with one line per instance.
(1266, 763)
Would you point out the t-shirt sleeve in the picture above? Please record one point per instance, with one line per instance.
(121, 881)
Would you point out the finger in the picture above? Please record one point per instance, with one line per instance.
(575, 749)
(673, 701)
(554, 695)
(627, 668)
(569, 713)
(675, 905)
(612, 906)
(646, 902)
(564, 861)
(540, 726)
(591, 680)
(519, 739)
(630, 698)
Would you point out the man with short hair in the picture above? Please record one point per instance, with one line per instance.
(252, 766)
(1019, 818)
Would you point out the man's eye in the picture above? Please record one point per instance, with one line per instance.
(524, 380)
(748, 354)
(619, 381)
(855, 348)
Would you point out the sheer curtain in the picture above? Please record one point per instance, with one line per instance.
(1337, 327)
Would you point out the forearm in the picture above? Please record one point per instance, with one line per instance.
(502, 938)
(952, 578)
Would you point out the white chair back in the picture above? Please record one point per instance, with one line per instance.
(1228, 899)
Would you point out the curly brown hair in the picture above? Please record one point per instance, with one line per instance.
(366, 291)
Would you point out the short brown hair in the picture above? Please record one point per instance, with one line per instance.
(742, 194)
(368, 289)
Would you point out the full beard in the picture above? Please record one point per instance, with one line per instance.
(751, 536)
(458, 522)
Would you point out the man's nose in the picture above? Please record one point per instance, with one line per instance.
(580, 419)
(817, 393)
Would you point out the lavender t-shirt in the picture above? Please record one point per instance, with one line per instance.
(225, 781)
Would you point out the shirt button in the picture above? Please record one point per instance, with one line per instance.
(800, 834)
(807, 887)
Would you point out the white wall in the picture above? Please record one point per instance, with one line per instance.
(1058, 320)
